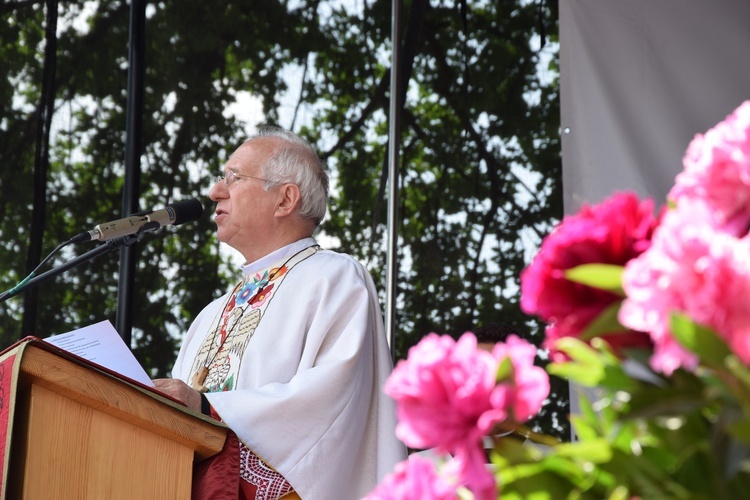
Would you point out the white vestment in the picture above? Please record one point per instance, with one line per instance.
(308, 399)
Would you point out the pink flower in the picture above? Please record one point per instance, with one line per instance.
(530, 384)
(414, 479)
(717, 171)
(448, 398)
(739, 342)
(612, 232)
(441, 391)
(469, 464)
(694, 268)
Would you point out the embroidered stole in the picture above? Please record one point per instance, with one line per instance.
(217, 364)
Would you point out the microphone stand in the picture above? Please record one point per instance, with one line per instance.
(108, 246)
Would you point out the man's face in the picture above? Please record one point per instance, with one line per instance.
(244, 210)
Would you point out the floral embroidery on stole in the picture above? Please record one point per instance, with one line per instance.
(222, 350)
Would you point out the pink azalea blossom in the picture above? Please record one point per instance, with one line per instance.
(414, 479)
(717, 171)
(612, 232)
(448, 398)
(530, 386)
(469, 464)
(694, 268)
(441, 391)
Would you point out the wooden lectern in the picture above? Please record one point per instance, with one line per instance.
(71, 429)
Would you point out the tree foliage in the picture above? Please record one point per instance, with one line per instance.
(479, 159)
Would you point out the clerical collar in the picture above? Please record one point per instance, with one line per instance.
(277, 255)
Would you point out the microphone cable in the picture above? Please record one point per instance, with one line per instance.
(13, 291)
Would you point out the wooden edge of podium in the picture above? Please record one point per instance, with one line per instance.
(128, 402)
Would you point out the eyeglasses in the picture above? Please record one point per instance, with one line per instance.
(232, 176)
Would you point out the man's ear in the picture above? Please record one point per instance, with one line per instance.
(288, 201)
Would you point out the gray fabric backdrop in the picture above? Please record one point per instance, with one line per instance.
(638, 79)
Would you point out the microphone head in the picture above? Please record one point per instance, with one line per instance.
(186, 211)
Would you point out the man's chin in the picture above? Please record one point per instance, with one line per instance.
(221, 235)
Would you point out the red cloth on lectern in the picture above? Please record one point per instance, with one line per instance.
(218, 477)
(236, 473)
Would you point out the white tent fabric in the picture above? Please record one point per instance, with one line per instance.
(638, 80)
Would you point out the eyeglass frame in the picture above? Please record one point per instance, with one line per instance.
(231, 174)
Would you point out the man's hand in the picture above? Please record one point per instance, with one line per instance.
(180, 391)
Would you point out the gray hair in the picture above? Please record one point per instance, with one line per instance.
(297, 162)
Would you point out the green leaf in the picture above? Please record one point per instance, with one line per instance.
(586, 375)
(594, 450)
(740, 430)
(605, 322)
(583, 426)
(590, 367)
(741, 374)
(701, 340)
(578, 350)
(658, 401)
(504, 370)
(602, 276)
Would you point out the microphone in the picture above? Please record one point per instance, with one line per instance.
(175, 214)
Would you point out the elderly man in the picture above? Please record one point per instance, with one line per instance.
(293, 359)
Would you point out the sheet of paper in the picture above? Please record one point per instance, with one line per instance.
(101, 344)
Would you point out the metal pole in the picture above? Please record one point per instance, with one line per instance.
(131, 188)
(41, 166)
(394, 145)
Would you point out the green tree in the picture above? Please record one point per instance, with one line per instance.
(480, 163)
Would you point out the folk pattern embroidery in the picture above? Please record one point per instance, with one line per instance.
(221, 353)
(270, 485)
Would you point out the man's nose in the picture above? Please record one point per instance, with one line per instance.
(218, 190)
